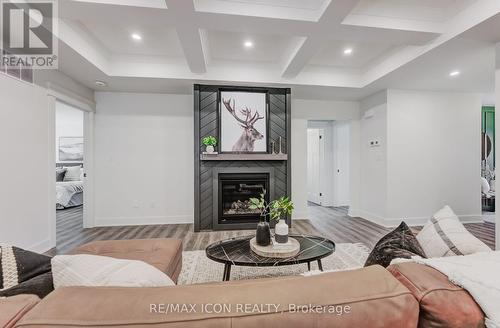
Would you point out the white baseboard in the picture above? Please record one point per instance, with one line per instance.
(42, 246)
(411, 221)
(300, 215)
(143, 220)
(375, 218)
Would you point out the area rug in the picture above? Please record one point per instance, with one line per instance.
(197, 268)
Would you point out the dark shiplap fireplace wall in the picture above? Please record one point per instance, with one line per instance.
(206, 122)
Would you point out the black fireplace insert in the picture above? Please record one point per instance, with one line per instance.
(235, 191)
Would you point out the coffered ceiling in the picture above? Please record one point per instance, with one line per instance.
(349, 47)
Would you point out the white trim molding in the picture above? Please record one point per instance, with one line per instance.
(410, 221)
(71, 98)
(144, 220)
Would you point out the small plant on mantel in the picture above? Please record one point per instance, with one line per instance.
(210, 142)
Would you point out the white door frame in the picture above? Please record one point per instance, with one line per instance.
(316, 136)
(56, 92)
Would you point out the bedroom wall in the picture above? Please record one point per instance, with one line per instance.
(143, 159)
(26, 148)
(69, 123)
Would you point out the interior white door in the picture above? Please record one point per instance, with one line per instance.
(315, 159)
(342, 132)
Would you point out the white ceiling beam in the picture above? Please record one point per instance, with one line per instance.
(394, 23)
(306, 49)
(190, 36)
(333, 14)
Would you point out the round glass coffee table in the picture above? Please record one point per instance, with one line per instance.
(236, 251)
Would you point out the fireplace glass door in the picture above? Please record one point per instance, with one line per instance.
(235, 191)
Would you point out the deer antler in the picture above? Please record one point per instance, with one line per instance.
(249, 121)
(227, 104)
(255, 118)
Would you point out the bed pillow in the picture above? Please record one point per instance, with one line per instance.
(72, 173)
(24, 272)
(399, 243)
(103, 271)
(445, 235)
(485, 186)
(60, 172)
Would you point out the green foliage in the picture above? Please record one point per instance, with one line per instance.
(277, 209)
(209, 141)
(281, 208)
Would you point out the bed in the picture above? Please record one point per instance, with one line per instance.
(68, 193)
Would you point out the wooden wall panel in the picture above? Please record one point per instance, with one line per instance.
(206, 123)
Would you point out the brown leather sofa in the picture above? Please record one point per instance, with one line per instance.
(369, 297)
(164, 254)
(442, 303)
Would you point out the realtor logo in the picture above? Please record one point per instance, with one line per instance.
(28, 29)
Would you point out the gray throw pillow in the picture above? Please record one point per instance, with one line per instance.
(24, 272)
(60, 172)
(399, 243)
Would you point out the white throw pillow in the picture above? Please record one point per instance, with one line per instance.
(72, 173)
(102, 271)
(485, 186)
(445, 235)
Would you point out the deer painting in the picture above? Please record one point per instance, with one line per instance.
(247, 139)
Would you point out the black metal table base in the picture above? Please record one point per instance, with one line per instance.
(320, 265)
(227, 269)
(227, 272)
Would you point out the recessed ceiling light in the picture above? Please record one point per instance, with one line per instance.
(248, 44)
(136, 36)
(101, 83)
(454, 73)
(347, 51)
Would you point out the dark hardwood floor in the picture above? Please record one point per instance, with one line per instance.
(332, 223)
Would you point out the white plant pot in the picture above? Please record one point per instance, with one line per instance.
(210, 149)
(281, 232)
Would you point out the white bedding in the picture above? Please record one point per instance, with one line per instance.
(479, 274)
(66, 190)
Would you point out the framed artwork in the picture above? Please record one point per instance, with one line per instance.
(243, 122)
(71, 149)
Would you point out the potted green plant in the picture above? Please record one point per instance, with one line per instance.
(210, 142)
(277, 210)
(280, 208)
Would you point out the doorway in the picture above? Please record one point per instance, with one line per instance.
(488, 193)
(69, 158)
(328, 163)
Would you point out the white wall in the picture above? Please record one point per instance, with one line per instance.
(143, 159)
(302, 112)
(427, 158)
(433, 154)
(371, 190)
(27, 175)
(27, 191)
(69, 123)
